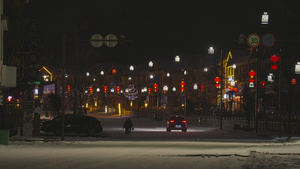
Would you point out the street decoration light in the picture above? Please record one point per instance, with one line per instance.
(118, 89)
(155, 85)
(274, 59)
(262, 84)
(217, 80)
(165, 88)
(251, 74)
(293, 82)
(91, 89)
(202, 87)
(182, 85)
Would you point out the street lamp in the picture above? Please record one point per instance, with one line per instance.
(150, 64)
(265, 18)
(177, 59)
(211, 51)
(297, 68)
(131, 68)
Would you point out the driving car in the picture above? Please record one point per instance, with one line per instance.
(73, 124)
(176, 123)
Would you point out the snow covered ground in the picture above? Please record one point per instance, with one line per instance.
(150, 154)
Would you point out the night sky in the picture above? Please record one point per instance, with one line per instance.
(159, 29)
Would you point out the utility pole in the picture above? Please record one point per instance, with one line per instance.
(64, 39)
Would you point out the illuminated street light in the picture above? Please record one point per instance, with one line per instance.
(131, 68)
(195, 86)
(102, 72)
(87, 73)
(177, 59)
(150, 64)
(205, 69)
(211, 50)
(234, 66)
(297, 68)
(265, 18)
(174, 89)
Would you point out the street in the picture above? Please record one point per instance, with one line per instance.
(149, 146)
(150, 129)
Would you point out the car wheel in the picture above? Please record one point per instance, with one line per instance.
(168, 129)
(184, 130)
(91, 132)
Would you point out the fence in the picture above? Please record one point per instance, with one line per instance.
(287, 122)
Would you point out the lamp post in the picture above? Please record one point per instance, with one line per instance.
(211, 51)
(177, 59)
(131, 68)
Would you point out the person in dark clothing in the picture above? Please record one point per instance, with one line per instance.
(128, 126)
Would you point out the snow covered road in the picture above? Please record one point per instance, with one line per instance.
(149, 154)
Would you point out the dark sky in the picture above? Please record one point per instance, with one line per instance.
(160, 29)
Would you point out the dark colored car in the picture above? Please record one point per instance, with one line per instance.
(176, 123)
(73, 124)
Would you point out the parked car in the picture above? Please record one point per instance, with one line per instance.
(177, 123)
(73, 124)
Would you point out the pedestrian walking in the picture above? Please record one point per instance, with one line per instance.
(128, 125)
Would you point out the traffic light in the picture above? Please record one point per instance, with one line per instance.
(69, 88)
(118, 89)
(105, 89)
(149, 90)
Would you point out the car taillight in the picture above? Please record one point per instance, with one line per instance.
(171, 121)
(183, 121)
